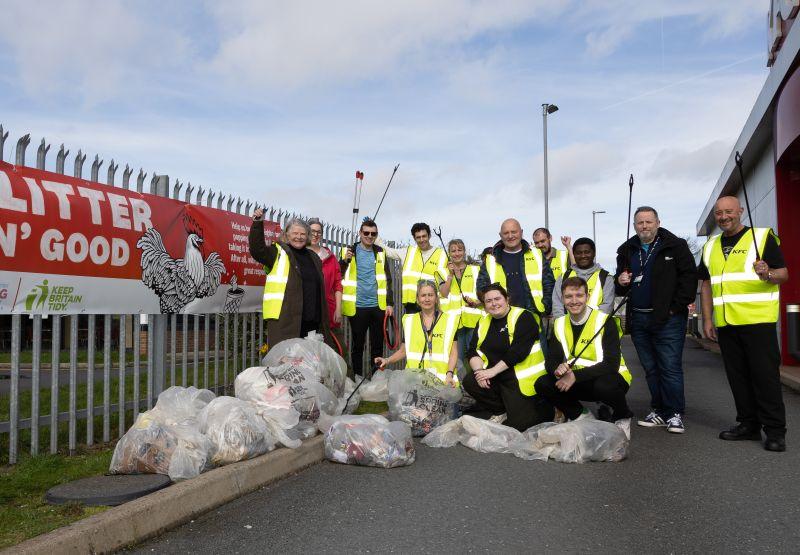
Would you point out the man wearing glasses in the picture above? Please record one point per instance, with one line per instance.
(366, 294)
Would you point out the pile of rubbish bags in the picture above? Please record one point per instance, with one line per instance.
(375, 390)
(578, 441)
(421, 400)
(191, 430)
(368, 440)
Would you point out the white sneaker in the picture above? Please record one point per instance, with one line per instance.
(652, 420)
(498, 418)
(675, 424)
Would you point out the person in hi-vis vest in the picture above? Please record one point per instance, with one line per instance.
(420, 262)
(506, 359)
(599, 281)
(294, 301)
(429, 337)
(459, 295)
(740, 303)
(366, 294)
(599, 373)
(558, 260)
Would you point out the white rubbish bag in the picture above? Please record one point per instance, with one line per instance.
(578, 441)
(313, 355)
(369, 440)
(235, 430)
(421, 400)
(376, 390)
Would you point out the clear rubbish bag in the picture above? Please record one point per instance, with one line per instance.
(376, 390)
(477, 434)
(312, 355)
(421, 400)
(235, 430)
(578, 441)
(369, 440)
(156, 445)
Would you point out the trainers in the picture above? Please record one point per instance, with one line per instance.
(585, 414)
(675, 424)
(498, 418)
(652, 420)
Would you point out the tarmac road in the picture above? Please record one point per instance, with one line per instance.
(674, 494)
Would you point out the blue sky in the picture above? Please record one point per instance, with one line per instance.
(281, 102)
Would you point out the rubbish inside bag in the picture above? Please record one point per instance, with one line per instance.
(572, 442)
(375, 390)
(235, 430)
(421, 400)
(179, 403)
(369, 440)
(311, 355)
(155, 444)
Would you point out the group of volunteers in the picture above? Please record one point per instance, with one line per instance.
(530, 331)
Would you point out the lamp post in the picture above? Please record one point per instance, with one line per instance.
(546, 109)
(594, 227)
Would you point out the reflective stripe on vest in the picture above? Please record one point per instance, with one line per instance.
(414, 269)
(739, 296)
(533, 275)
(436, 360)
(275, 286)
(559, 263)
(454, 303)
(350, 284)
(526, 371)
(594, 352)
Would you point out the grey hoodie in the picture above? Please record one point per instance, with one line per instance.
(608, 290)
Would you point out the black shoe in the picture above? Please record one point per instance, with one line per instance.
(604, 414)
(775, 444)
(741, 432)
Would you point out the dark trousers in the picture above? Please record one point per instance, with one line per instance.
(504, 396)
(366, 319)
(609, 389)
(660, 350)
(752, 362)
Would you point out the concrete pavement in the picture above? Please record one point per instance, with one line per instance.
(689, 493)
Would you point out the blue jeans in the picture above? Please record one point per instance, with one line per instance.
(660, 350)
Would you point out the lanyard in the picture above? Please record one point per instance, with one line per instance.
(643, 263)
(428, 336)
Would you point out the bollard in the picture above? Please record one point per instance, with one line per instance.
(793, 329)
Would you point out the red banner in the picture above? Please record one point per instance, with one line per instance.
(68, 245)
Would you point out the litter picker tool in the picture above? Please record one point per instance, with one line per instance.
(384, 192)
(747, 203)
(630, 199)
(357, 200)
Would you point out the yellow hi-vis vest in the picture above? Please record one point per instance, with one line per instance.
(533, 274)
(594, 285)
(443, 335)
(531, 368)
(594, 352)
(350, 284)
(275, 285)
(454, 303)
(739, 295)
(559, 263)
(414, 269)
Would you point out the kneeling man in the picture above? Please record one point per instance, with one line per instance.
(599, 373)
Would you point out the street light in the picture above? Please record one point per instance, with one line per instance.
(546, 109)
(594, 229)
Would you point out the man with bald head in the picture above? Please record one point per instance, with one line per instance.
(520, 269)
(741, 271)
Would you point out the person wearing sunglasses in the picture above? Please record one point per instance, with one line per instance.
(429, 337)
(294, 290)
(366, 294)
(506, 360)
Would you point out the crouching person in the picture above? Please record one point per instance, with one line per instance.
(599, 373)
(506, 360)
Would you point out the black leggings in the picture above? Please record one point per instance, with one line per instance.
(609, 389)
(504, 396)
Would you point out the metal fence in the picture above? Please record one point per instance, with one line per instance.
(129, 358)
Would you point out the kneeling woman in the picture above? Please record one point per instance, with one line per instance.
(599, 374)
(428, 337)
(506, 360)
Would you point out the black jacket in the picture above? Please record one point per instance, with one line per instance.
(548, 281)
(674, 275)
(389, 289)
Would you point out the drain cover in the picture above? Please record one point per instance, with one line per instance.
(106, 490)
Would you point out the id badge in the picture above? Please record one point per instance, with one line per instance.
(637, 279)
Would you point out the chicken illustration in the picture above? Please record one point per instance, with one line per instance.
(177, 282)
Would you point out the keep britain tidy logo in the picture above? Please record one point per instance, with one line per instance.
(51, 298)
